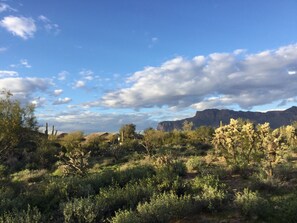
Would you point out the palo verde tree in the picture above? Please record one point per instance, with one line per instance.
(17, 125)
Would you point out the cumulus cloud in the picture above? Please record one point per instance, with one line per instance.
(8, 73)
(19, 26)
(58, 92)
(79, 84)
(215, 80)
(24, 89)
(61, 101)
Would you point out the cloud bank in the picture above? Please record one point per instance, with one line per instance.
(88, 121)
(215, 80)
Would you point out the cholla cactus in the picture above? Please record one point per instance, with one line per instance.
(236, 142)
(241, 144)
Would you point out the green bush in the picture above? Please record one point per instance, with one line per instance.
(161, 208)
(107, 202)
(125, 216)
(209, 190)
(31, 215)
(80, 210)
(195, 164)
(285, 209)
(114, 198)
(251, 204)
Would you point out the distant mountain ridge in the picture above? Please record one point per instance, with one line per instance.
(213, 117)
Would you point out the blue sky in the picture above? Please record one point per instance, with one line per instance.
(96, 65)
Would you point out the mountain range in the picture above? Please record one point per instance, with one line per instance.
(213, 117)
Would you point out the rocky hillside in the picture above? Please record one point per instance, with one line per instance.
(213, 117)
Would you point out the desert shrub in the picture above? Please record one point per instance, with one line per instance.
(114, 198)
(134, 174)
(31, 215)
(161, 208)
(108, 201)
(251, 204)
(168, 177)
(285, 209)
(285, 172)
(125, 216)
(164, 207)
(195, 164)
(80, 210)
(209, 190)
(261, 182)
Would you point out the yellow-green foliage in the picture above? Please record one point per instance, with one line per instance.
(243, 145)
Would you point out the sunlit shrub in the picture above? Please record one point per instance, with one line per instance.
(209, 190)
(125, 216)
(161, 208)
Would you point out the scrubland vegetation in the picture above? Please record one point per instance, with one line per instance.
(238, 172)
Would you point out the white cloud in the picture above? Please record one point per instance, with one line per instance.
(22, 63)
(63, 75)
(19, 26)
(87, 74)
(8, 73)
(5, 7)
(80, 84)
(216, 80)
(58, 92)
(48, 25)
(24, 89)
(88, 121)
(38, 102)
(25, 63)
(61, 101)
